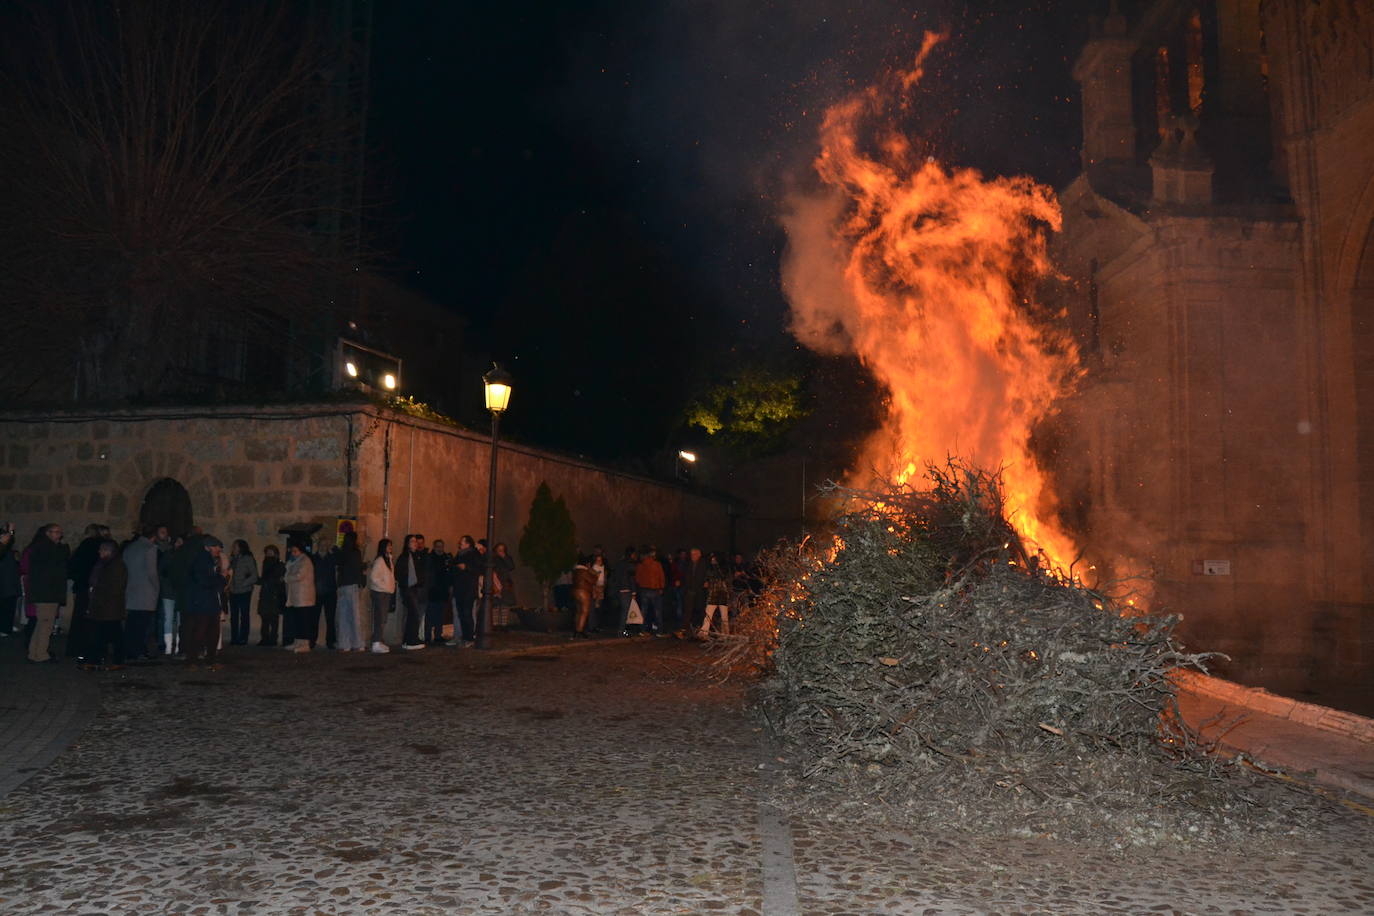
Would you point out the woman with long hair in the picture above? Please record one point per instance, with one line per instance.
(412, 584)
(349, 569)
(381, 588)
(243, 575)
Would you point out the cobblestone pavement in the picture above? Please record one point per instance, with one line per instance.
(601, 779)
(43, 708)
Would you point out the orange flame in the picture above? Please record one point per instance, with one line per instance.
(923, 272)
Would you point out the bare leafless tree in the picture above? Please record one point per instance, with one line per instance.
(163, 165)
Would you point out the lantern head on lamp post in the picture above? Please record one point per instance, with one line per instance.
(685, 460)
(497, 383)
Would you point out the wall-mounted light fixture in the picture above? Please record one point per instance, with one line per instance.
(361, 366)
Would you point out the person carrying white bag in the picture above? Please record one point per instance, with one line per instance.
(623, 581)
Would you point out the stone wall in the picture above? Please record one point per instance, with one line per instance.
(1195, 438)
(1228, 411)
(246, 474)
(250, 471)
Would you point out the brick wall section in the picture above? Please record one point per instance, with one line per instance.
(437, 485)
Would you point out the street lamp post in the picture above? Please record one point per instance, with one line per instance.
(497, 383)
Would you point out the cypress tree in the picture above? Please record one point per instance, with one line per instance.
(548, 545)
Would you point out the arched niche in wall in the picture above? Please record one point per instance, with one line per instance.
(167, 503)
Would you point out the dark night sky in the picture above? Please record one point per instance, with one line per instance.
(595, 185)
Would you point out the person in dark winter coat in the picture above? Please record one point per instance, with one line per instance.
(412, 581)
(47, 586)
(440, 596)
(178, 571)
(503, 567)
(467, 569)
(326, 562)
(200, 618)
(693, 606)
(166, 591)
(349, 572)
(9, 579)
(622, 587)
(79, 567)
(272, 597)
(105, 611)
(243, 575)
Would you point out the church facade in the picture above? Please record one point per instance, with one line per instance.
(1221, 263)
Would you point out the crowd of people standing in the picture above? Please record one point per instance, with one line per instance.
(159, 595)
(687, 594)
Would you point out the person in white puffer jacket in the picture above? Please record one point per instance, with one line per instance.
(300, 595)
(381, 586)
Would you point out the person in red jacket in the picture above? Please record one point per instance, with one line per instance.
(649, 579)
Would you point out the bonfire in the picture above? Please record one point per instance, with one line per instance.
(919, 661)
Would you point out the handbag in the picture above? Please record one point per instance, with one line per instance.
(634, 615)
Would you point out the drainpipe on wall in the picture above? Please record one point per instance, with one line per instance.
(386, 482)
(410, 486)
(349, 507)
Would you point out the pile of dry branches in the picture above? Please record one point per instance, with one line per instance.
(918, 660)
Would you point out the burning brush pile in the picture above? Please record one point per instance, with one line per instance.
(922, 665)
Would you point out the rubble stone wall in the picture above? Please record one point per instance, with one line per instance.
(246, 476)
(250, 471)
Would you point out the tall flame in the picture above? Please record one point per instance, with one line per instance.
(924, 271)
